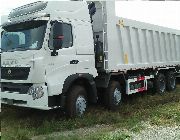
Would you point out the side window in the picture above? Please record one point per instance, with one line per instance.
(67, 32)
(61, 36)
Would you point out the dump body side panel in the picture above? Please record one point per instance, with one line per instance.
(137, 45)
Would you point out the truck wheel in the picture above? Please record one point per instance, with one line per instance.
(113, 95)
(171, 81)
(160, 83)
(76, 101)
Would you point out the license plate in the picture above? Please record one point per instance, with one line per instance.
(10, 101)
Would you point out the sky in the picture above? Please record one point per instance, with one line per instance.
(158, 13)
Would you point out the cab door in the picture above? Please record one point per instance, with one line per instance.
(62, 61)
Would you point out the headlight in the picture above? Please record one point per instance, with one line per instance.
(36, 92)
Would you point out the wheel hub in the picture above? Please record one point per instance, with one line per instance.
(162, 85)
(117, 96)
(80, 105)
(172, 82)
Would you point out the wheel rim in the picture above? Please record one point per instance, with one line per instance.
(117, 96)
(162, 86)
(172, 82)
(80, 105)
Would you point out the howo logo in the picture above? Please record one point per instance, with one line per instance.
(9, 62)
(9, 71)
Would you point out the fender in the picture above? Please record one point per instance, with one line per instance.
(92, 91)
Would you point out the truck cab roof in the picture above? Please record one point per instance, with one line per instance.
(76, 10)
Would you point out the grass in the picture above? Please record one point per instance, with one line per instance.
(23, 124)
(116, 135)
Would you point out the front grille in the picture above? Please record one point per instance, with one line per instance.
(15, 73)
(15, 87)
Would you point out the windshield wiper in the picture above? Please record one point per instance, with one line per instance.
(2, 50)
(19, 48)
(15, 49)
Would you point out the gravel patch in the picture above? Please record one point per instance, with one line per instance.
(158, 133)
(150, 132)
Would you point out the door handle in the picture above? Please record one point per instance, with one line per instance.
(74, 61)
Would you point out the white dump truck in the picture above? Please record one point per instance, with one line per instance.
(60, 54)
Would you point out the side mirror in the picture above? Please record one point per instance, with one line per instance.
(58, 41)
(57, 37)
(57, 44)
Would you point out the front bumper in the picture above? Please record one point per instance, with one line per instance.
(25, 100)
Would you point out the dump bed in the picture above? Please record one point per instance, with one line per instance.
(130, 44)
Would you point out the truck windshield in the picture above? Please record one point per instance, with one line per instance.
(27, 35)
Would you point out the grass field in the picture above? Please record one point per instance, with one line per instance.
(23, 124)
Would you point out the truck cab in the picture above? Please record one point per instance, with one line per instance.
(46, 47)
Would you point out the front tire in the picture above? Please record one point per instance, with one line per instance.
(76, 102)
(113, 95)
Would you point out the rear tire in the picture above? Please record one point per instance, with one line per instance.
(160, 83)
(113, 95)
(170, 81)
(76, 102)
